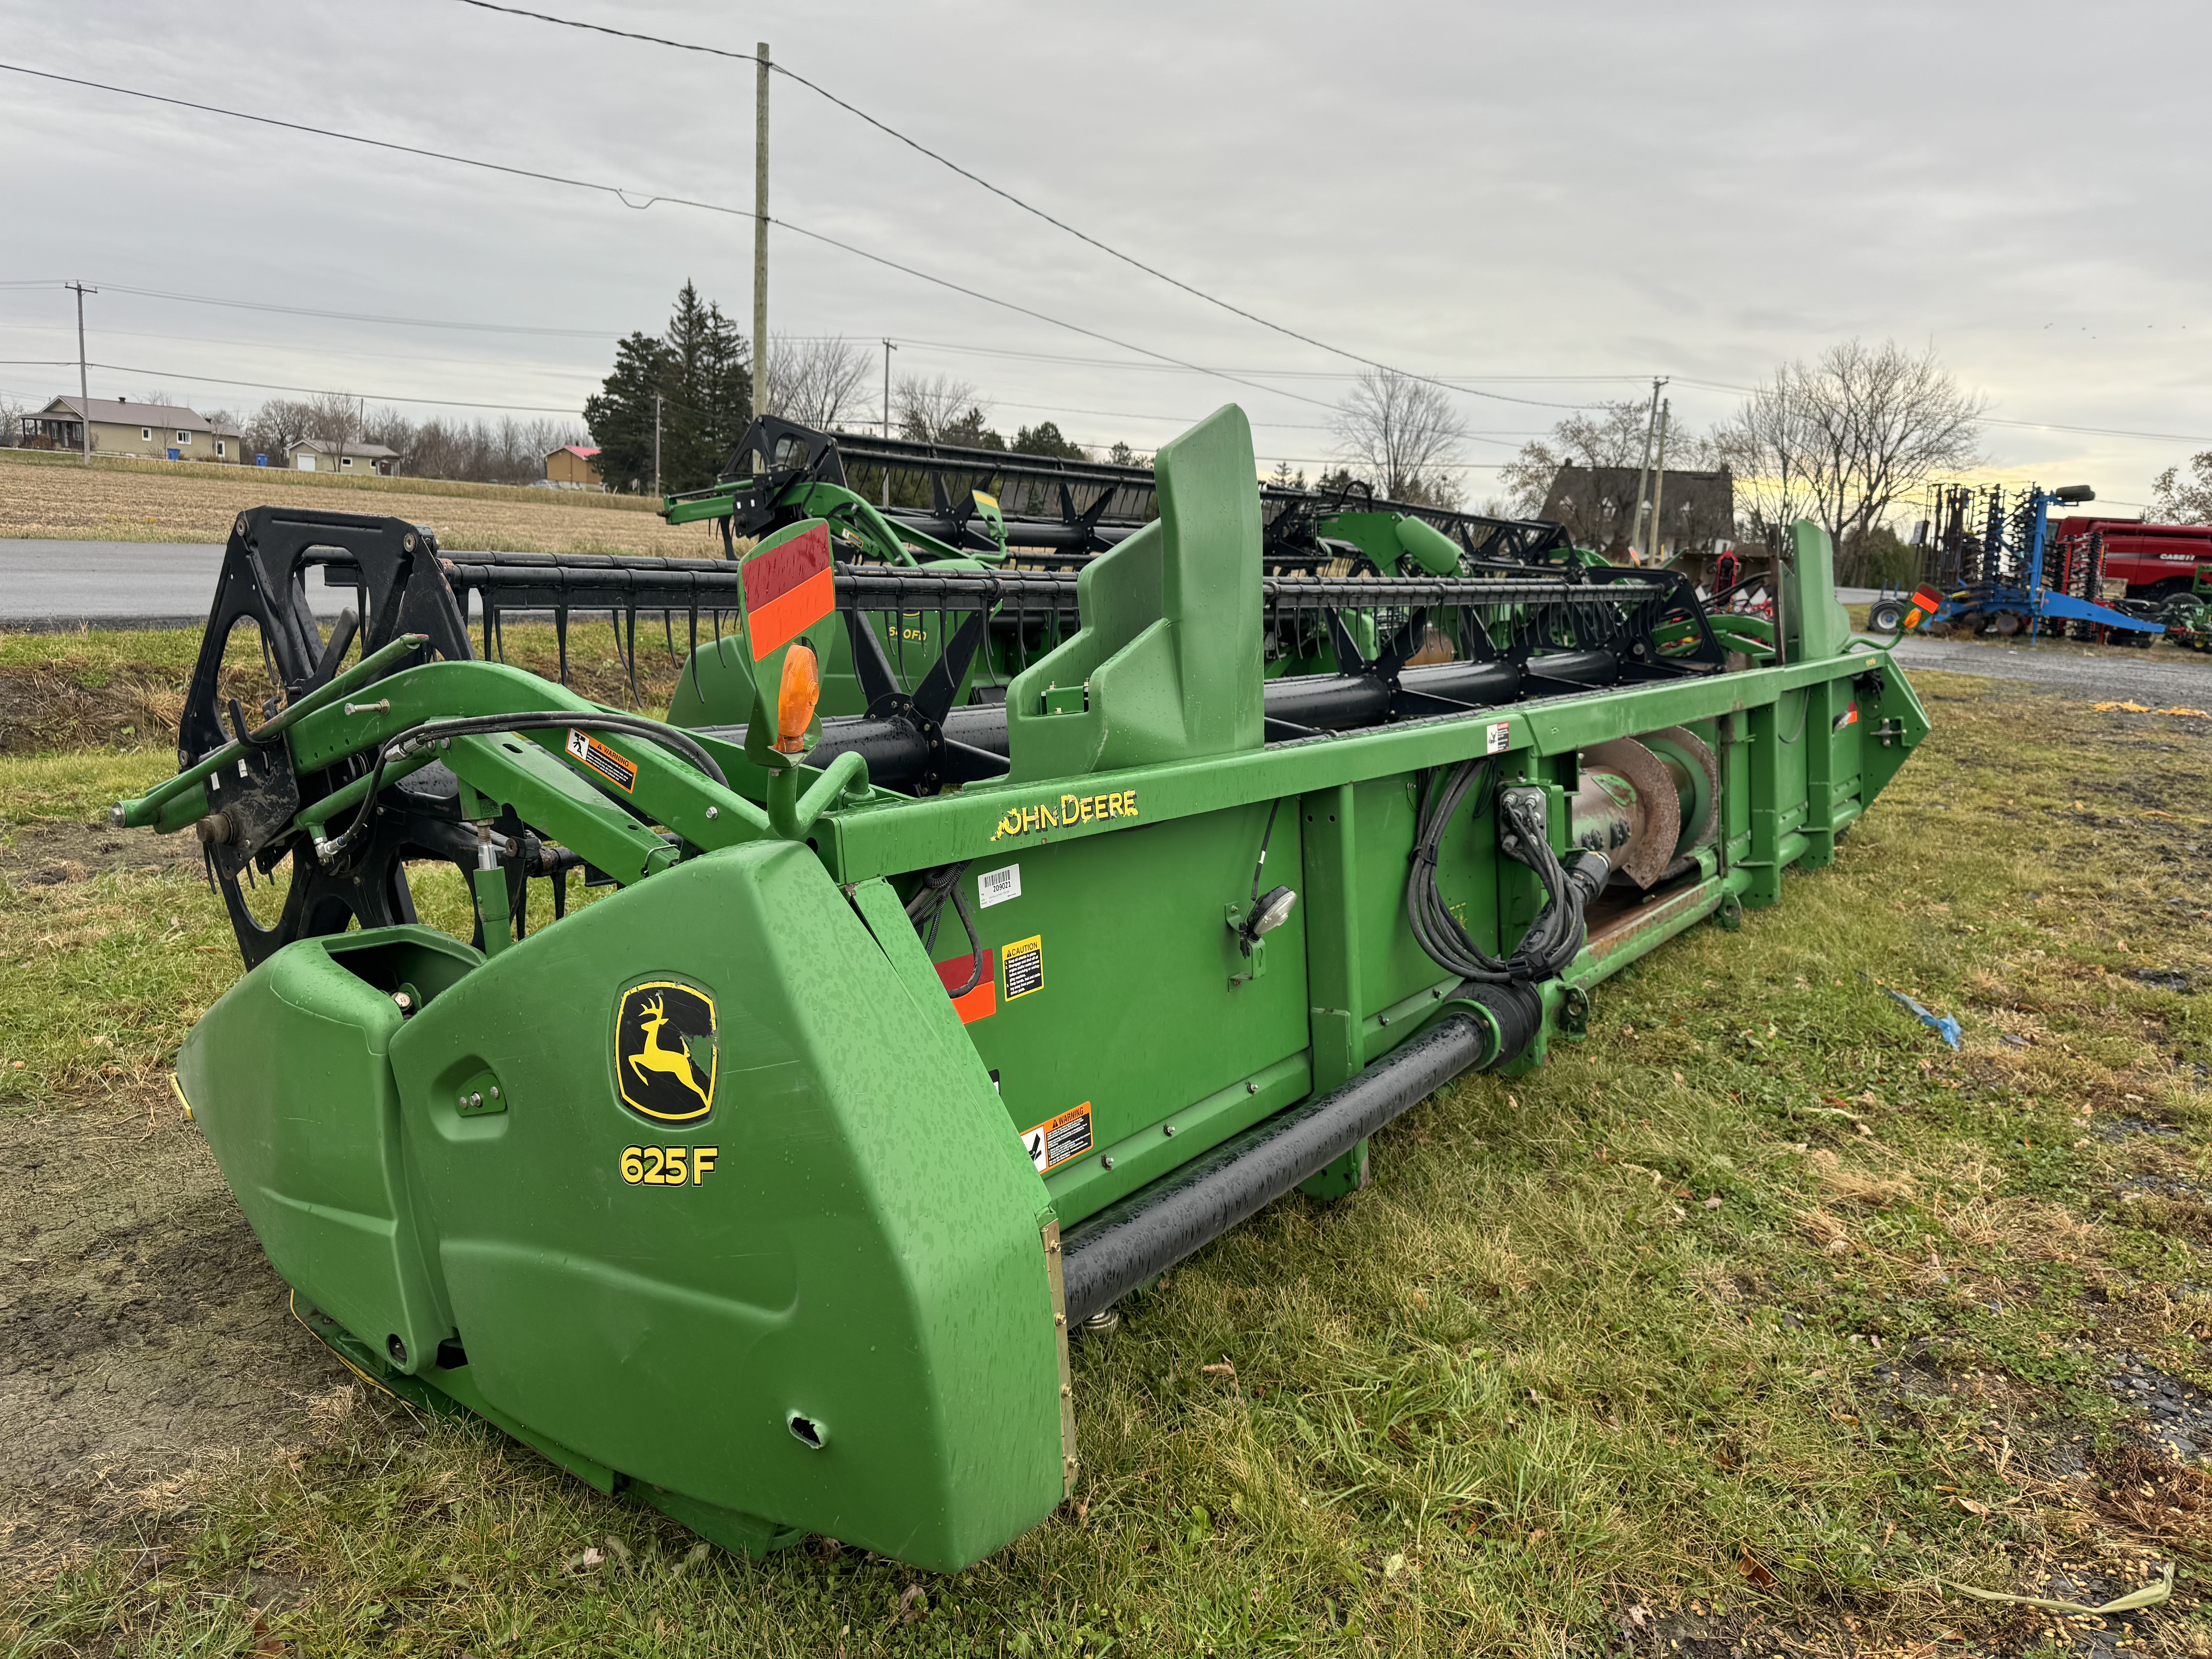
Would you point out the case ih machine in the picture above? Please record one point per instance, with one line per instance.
(1104, 907)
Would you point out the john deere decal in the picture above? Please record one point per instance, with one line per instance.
(665, 1051)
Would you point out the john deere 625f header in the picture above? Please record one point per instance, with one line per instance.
(765, 1186)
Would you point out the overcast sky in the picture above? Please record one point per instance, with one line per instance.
(1548, 203)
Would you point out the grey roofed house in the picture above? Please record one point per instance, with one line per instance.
(319, 455)
(120, 426)
(1597, 504)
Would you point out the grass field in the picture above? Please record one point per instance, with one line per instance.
(58, 497)
(1753, 1324)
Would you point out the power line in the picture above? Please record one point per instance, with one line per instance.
(1010, 353)
(350, 316)
(523, 364)
(623, 196)
(327, 391)
(2099, 431)
(977, 180)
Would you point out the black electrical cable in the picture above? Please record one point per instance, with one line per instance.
(403, 743)
(927, 907)
(1557, 932)
(1266, 835)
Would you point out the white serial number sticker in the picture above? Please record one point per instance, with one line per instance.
(997, 886)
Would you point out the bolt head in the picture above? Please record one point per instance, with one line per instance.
(476, 1099)
(713, 811)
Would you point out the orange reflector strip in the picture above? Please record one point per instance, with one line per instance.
(982, 1002)
(790, 614)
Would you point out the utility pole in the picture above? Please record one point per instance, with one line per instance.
(888, 349)
(1644, 469)
(83, 382)
(1659, 482)
(760, 237)
(656, 443)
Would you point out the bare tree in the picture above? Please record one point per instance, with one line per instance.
(334, 418)
(1610, 434)
(816, 383)
(506, 451)
(1845, 439)
(1403, 436)
(933, 409)
(277, 426)
(12, 410)
(2176, 500)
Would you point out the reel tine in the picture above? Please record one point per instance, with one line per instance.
(561, 637)
(636, 701)
(693, 659)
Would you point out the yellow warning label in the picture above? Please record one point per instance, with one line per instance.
(1057, 1139)
(1024, 966)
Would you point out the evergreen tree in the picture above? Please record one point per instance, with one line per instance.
(620, 415)
(709, 388)
(1044, 439)
(703, 372)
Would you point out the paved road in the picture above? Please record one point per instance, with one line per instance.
(50, 585)
(2162, 676)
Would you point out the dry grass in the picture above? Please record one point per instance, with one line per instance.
(131, 500)
(1740, 1328)
(125, 688)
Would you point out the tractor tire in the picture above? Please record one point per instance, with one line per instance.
(1887, 617)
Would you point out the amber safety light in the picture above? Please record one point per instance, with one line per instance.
(795, 699)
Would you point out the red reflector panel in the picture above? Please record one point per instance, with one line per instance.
(982, 1002)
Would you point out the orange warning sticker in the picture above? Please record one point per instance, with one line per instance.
(1056, 1141)
(603, 760)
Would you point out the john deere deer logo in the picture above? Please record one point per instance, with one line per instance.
(666, 1052)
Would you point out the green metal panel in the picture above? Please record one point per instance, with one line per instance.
(1137, 1016)
(864, 1249)
(1815, 621)
(287, 1079)
(1170, 649)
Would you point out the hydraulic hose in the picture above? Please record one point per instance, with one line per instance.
(926, 908)
(1557, 932)
(401, 744)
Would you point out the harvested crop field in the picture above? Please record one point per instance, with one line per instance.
(1759, 1323)
(57, 497)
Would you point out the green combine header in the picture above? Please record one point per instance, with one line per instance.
(984, 934)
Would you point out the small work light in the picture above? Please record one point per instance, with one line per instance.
(1273, 910)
